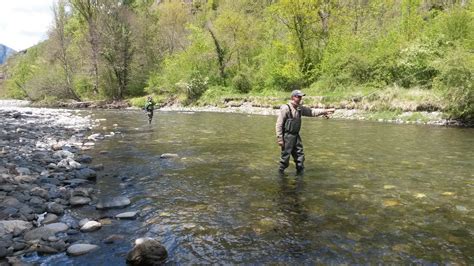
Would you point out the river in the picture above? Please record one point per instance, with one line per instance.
(372, 192)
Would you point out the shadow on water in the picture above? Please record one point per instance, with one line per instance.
(371, 192)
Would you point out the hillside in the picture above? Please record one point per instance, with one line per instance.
(5, 52)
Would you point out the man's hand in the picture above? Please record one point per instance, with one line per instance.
(280, 142)
(328, 112)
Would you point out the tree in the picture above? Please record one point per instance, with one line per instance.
(88, 10)
(117, 45)
(62, 40)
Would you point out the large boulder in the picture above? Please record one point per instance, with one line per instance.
(147, 251)
(116, 202)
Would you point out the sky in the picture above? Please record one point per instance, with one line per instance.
(24, 23)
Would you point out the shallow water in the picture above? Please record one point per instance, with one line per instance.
(371, 192)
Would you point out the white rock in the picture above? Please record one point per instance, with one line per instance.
(126, 215)
(80, 249)
(91, 226)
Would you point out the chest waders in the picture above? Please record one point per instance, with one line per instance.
(292, 144)
(149, 110)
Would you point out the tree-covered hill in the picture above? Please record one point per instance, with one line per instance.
(369, 54)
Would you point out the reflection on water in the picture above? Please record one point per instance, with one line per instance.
(371, 192)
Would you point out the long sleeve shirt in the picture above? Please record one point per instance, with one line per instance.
(285, 114)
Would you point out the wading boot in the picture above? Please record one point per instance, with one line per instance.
(299, 170)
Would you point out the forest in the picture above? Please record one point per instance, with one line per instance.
(371, 54)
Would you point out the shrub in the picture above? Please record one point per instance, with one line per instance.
(456, 83)
(241, 83)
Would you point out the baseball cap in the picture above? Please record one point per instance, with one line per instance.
(297, 93)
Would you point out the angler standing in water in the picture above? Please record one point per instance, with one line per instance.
(149, 107)
(288, 128)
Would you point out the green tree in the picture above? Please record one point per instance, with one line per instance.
(60, 41)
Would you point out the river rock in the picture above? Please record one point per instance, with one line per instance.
(10, 226)
(82, 222)
(55, 208)
(78, 201)
(44, 249)
(39, 192)
(147, 251)
(169, 155)
(80, 249)
(81, 192)
(116, 202)
(127, 215)
(85, 173)
(50, 218)
(84, 159)
(91, 226)
(63, 154)
(57, 227)
(38, 233)
(23, 171)
(113, 239)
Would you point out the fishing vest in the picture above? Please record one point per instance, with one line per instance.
(293, 124)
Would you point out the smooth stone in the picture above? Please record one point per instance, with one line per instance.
(80, 249)
(126, 215)
(39, 192)
(44, 249)
(82, 222)
(63, 154)
(50, 218)
(113, 238)
(91, 226)
(84, 159)
(38, 233)
(23, 171)
(117, 202)
(98, 167)
(82, 192)
(57, 227)
(169, 155)
(55, 208)
(9, 226)
(77, 201)
(85, 173)
(147, 251)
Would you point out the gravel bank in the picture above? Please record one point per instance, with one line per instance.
(43, 173)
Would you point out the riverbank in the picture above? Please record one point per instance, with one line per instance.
(256, 106)
(44, 172)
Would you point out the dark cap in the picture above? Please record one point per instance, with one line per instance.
(297, 93)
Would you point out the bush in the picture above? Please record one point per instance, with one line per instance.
(194, 88)
(456, 83)
(241, 83)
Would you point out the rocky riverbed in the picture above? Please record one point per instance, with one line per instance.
(44, 172)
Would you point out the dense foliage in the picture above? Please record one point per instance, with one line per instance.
(117, 49)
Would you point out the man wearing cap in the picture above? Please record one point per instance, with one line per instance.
(288, 127)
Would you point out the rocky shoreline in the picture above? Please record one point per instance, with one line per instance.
(422, 118)
(44, 172)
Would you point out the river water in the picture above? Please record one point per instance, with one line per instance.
(371, 192)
